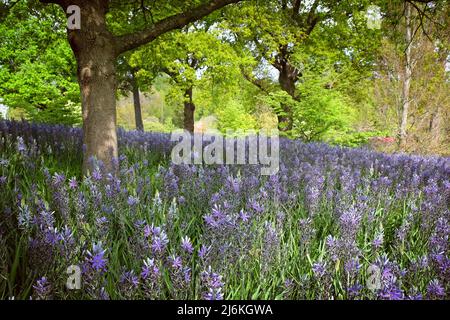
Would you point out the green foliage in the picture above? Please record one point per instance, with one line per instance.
(352, 138)
(233, 117)
(195, 57)
(276, 99)
(153, 124)
(37, 67)
(319, 113)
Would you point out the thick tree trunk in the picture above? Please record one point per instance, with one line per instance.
(137, 104)
(406, 81)
(189, 109)
(287, 79)
(288, 76)
(94, 49)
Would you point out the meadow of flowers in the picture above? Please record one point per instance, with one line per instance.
(162, 231)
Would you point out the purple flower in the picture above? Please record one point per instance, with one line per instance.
(213, 284)
(307, 231)
(392, 292)
(52, 236)
(176, 262)
(213, 295)
(435, 290)
(132, 201)
(103, 294)
(42, 289)
(128, 284)
(147, 231)
(271, 243)
(151, 231)
(332, 245)
(149, 270)
(66, 236)
(354, 290)
(211, 221)
(73, 184)
(97, 258)
(187, 275)
(319, 269)
(416, 296)
(203, 252)
(160, 242)
(255, 206)
(58, 179)
(101, 220)
(21, 147)
(350, 221)
(244, 216)
(378, 241)
(186, 245)
(97, 175)
(128, 277)
(352, 266)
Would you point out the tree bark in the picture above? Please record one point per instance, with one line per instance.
(289, 75)
(406, 86)
(137, 103)
(189, 109)
(94, 49)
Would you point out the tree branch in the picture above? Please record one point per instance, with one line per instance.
(422, 12)
(312, 12)
(134, 40)
(296, 8)
(423, 16)
(259, 83)
(5, 9)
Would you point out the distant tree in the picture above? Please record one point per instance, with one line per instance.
(291, 35)
(191, 57)
(128, 82)
(416, 39)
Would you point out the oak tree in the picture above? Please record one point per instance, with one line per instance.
(96, 49)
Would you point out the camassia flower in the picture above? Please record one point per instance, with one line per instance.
(186, 245)
(97, 258)
(213, 284)
(327, 216)
(42, 289)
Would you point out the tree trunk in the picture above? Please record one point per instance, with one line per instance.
(287, 83)
(287, 79)
(435, 128)
(189, 109)
(406, 81)
(94, 49)
(137, 104)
